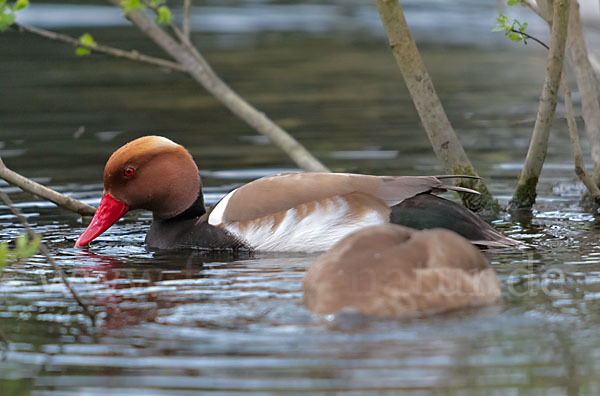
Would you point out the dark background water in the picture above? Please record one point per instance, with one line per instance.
(185, 322)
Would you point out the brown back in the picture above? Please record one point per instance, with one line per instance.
(278, 193)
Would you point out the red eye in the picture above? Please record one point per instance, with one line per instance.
(129, 171)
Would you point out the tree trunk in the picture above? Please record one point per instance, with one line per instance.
(441, 135)
(586, 75)
(590, 107)
(525, 193)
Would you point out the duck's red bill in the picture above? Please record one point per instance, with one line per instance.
(107, 214)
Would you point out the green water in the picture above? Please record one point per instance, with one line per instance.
(184, 323)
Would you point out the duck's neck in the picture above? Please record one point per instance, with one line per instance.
(196, 210)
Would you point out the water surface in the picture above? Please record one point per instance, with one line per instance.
(188, 322)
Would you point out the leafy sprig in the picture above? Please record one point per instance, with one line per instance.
(24, 247)
(515, 30)
(163, 13)
(8, 12)
(88, 41)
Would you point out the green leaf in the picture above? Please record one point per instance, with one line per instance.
(20, 4)
(25, 247)
(6, 20)
(515, 37)
(156, 3)
(513, 2)
(2, 2)
(87, 40)
(20, 243)
(80, 51)
(32, 247)
(502, 24)
(130, 5)
(164, 15)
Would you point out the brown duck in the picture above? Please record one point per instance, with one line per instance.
(395, 271)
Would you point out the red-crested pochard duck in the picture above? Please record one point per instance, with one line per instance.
(287, 212)
(394, 271)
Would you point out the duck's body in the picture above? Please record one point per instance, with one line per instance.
(394, 271)
(287, 212)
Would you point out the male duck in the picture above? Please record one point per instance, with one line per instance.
(287, 212)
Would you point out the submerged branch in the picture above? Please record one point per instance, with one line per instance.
(41, 191)
(4, 345)
(44, 250)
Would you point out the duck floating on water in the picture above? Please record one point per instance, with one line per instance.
(287, 212)
(395, 271)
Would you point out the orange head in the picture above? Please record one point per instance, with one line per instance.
(151, 173)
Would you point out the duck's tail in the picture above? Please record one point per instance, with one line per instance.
(429, 211)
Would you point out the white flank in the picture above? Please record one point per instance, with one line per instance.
(216, 216)
(316, 232)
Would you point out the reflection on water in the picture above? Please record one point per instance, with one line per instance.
(183, 322)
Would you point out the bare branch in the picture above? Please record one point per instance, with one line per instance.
(525, 193)
(528, 36)
(444, 141)
(532, 7)
(187, 8)
(44, 250)
(595, 66)
(4, 345)
(587, 73)
(131, 55)
(202, 73)
(576, 146)
(41, 191)
(584, 74)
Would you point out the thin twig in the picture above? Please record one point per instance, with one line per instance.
(187, 6)
(532, 7)
(531, 37)
(44, 192)
(203, 74)
(580, 171)
(44, 250)
(119, 53)
(181, 36)
(4, 345)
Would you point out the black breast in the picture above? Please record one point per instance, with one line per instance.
(190, 233)
(190, 229)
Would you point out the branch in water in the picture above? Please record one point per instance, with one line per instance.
(5, 345)
(580, 171)
(44, 250)
(41, 191)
